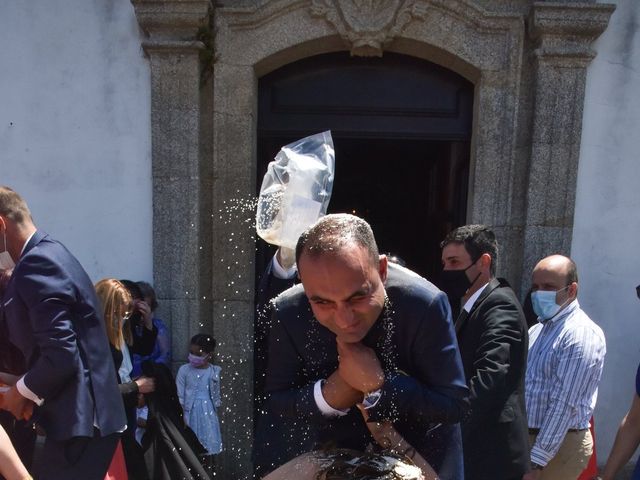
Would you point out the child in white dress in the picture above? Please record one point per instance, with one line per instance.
(198, 385)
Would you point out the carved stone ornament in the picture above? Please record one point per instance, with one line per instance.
(367, 25)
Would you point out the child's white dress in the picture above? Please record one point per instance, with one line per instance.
(199, 393)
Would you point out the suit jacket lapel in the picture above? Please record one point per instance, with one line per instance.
(464, 318)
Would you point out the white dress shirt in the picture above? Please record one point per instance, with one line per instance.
(468, 305)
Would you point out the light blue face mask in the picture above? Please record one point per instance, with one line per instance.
(544, 303)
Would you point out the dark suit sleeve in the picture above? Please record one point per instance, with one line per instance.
(284, 373)
(503, 334)
(270, 286)
(49, 292)
(434, 388)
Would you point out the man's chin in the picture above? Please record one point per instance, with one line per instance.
(354, 337)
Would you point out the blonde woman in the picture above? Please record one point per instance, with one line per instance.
(117, 306)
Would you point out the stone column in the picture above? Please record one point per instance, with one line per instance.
(181, 179)
(562, 34)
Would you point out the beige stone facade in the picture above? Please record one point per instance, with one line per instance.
(527, 62)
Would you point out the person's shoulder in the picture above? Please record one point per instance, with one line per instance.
(404, 283)
(292, 298)
(49, 248)
(503, 288)
(501, 294)
(581, 322)
(49, 258)
(159, 324)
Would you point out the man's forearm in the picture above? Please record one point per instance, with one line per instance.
(404, 396)
(626, 442)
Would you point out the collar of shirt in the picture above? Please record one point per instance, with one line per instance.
(564, 313)
(472, 299)
(280, 272)
(27, 242)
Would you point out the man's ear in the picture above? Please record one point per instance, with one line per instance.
(485, 261)
(573, 290)
(382, 267)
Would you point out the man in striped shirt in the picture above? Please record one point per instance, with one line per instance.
(566, 355)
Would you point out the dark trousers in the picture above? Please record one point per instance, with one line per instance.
(85, 458)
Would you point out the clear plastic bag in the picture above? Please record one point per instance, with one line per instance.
(296, 189)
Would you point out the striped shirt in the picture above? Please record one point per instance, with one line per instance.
(566, 355)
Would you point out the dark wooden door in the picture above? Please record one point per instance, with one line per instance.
(401, 128)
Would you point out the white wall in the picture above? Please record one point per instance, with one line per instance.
(606, 235)
(75, 128)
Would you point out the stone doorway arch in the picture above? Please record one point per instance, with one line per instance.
(526, 59)
(401, 129)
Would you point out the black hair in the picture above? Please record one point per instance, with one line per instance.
(133, 288)
(477, 240)
(206, 342)
(335, 231)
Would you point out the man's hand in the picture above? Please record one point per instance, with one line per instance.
(19, 406)
(532, 475)
(359, 367)
(286, 257)
(384, 433)
(338, 393)
(145, 384)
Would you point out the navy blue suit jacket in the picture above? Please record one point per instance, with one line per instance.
(50, 312)
(415, 342)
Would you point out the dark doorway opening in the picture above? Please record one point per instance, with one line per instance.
(412, 192)
(401, 128)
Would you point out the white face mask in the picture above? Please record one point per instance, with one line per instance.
(6, 262)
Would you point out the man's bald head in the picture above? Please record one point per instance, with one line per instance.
(561, 265)
(558, 273)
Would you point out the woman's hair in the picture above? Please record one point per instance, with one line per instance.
(115, 299)
(206, 342)
(133, 288)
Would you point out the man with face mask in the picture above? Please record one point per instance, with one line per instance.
(50, 314)
(492, 337)
(566, 356)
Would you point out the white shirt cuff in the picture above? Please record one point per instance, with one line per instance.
(326, 409)
(280, 272)
(25, 392)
